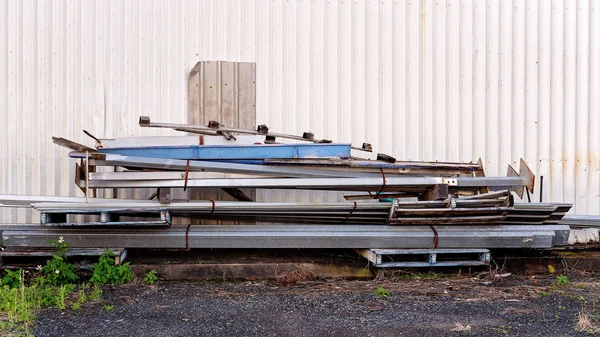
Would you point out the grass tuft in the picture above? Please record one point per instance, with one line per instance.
(461, 328)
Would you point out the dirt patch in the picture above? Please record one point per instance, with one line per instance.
(444, 306)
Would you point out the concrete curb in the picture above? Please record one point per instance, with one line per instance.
(284, 272)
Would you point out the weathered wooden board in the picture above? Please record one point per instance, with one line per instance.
(224, 92)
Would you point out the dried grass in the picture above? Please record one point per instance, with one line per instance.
(584, 323)
(587, 323)
(461, 328)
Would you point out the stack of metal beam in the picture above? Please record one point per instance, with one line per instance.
(389, 203)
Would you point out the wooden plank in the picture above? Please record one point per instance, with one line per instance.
(195, 106)
(224, 92)
(195, 101)
(229, 113)
(211, 104)
(436, 192)
(246, 101)
(246, 87)
(210, 110)
(194, 98)
(481, 173)
(164, 195)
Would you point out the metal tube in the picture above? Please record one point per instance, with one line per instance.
(344, 184)
(215, 166)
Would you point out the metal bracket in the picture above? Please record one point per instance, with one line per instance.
(519, 190)
(525, 172)
(450, 181)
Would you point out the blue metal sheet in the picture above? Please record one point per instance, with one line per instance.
(236, 152)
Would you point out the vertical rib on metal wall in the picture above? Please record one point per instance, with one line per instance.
(433, 80)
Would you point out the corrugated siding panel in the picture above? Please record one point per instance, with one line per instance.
(431, 80)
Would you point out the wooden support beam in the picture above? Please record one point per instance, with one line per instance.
(435, 192)
(164, 195)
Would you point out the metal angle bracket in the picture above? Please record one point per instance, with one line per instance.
(525, 172)
(69, 144)
(481, 173)
(519, 190)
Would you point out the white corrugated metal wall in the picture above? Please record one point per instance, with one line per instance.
(432, 80)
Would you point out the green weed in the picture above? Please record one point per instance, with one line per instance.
(106, 272)
(109, 308)
(52, 285)
(151, 277)
(382, 292)
(561, 280)
(62, 294)
(57, 270)
(11, 278)
(18, 304)
(96, 293)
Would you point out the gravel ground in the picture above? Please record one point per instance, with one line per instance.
(417, 307)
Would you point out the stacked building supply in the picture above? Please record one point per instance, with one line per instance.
(389, 203)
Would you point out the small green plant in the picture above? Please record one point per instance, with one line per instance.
(62, 295)
(382, 292)
(562, 307)
(150, 277)
(561, 280)
(106, 272)
(556, 316)
(11, 278)
(96, 293)
(501, 329)
(109, 308)
(419, 276)
(543, 293)
(17, 305)
(52, 285)
(82, 298)
(57, 270)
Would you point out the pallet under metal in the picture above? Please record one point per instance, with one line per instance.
(24, 257)
(408, 258)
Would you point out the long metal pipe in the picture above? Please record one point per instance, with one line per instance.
(343, 184)
(215, 166)
(17, 200)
